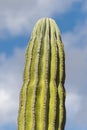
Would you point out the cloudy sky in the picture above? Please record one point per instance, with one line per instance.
(17, 19)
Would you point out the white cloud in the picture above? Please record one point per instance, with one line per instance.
(73, 104)
(8, 107)
(10, 84)
(18, 16)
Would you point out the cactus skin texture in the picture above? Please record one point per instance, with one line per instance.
(42, 97)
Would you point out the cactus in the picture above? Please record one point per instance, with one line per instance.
(42, 97)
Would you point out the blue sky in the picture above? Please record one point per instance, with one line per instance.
(17, 19)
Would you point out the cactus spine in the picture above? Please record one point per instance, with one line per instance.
(42, 97)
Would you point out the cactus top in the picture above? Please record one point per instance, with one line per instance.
(42, 97)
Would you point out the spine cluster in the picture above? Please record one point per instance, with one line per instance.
(42, 97)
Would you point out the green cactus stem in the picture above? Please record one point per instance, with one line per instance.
(42, 97)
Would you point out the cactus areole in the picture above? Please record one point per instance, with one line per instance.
(42, 97)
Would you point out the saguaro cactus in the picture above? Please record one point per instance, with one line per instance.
(42, 97)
